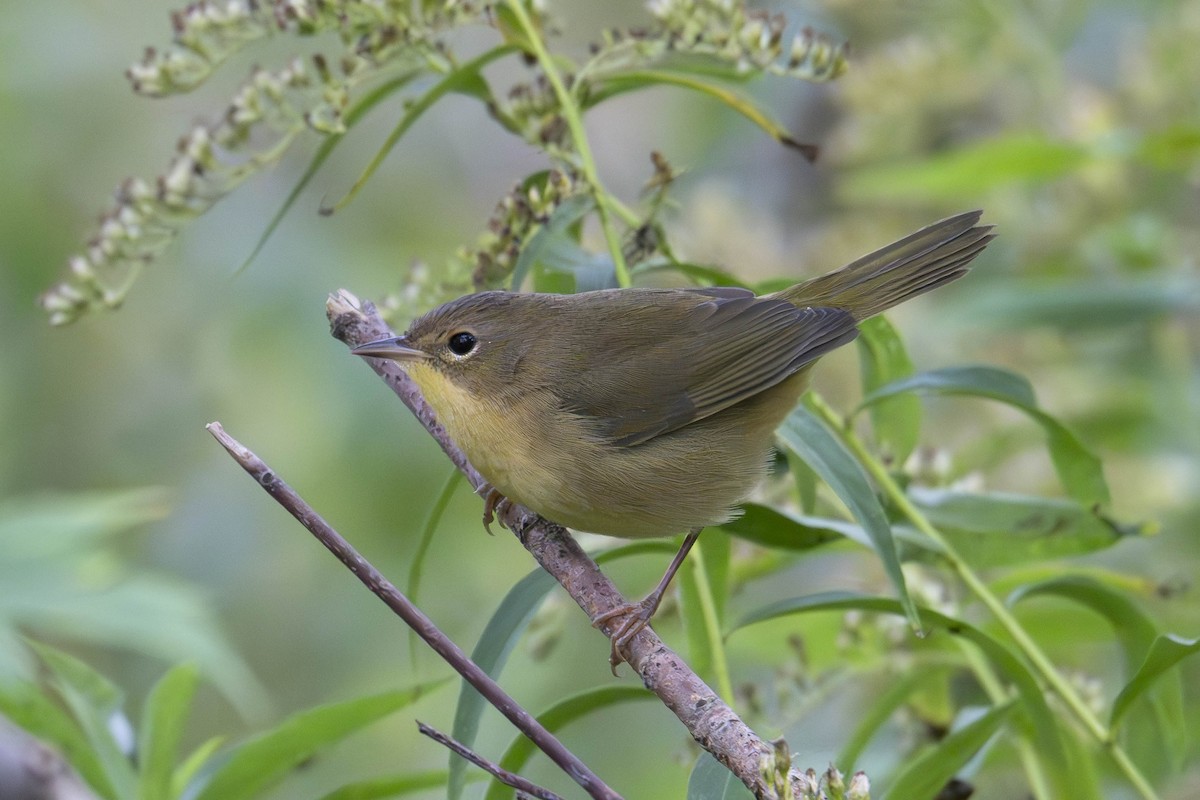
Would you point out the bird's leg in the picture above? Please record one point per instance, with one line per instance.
(494, 505)
(637, 615)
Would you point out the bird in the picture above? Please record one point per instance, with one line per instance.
(648, 412)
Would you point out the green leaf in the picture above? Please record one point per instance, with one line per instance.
(1033, 703)
(903, 686)
(491, 653)
(621, 83)
(557, 228)
(1135, 630)
(267, 759)
(700, 274)
(1075, 305)
(557, 717)
(49, 548)
(808, 438)
(28, 708)
(1165, 652)
(924, 776)
(588, 271)
(896, 421)
(710, 780)
(497, 640)
(968, 171)
(163, 719)
(1137, 635)
(96, 705)
(50, 525)
(390, 786)
(999, 529)
(770, 527)
(464, 79)
(351, 118)
(1078, 469)
(195, 761)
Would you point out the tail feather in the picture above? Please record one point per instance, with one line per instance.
(921, 261)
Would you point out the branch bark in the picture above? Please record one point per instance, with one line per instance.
(711, 722)
(441, 644)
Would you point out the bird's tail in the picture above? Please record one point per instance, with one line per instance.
(927, 259)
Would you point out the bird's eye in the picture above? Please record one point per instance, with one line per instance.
(462, 343)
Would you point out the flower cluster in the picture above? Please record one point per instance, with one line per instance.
(207, 33)
(262, 120)
(146, 216)
(751, 39)
(517, 216)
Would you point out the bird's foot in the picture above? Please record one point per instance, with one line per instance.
(637, 616)
(495, 506)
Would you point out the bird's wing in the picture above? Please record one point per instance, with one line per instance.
(721, 347)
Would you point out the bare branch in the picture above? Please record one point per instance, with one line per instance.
(710, 721)
(497, 771)
(374, 580)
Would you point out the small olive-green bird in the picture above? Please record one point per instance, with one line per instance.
(647, 412)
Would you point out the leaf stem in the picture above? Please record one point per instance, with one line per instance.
(573, 118)
(1040, 662)
(712, 626)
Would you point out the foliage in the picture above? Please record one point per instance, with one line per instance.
(994, 675)
(81, 712)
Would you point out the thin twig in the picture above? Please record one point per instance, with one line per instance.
(710, 721)
(374, 580)
(497, 771)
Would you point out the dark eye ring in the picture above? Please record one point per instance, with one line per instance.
(462, 343)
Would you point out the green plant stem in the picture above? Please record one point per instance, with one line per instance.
(712, 626)
(571, 115)
(1039, 785)
(1038, 659)
(432, 520)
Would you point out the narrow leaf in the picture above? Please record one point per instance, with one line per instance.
(491, 653)
(808, 438)
(391, 786)
(163, 720)
(569, 212)
(924, 776)
(1166, 651)
(881, 709)
(28, 708)
(621, 83)
(1000, 529)
(351, 118)
(264, 761)
(1033, 702)
(96, 705)
(895, 421)
(557, 717)
(771, 527)
(699, 274)
(465, 79)
(496, 642)
(1014, 158)
(1079, 470)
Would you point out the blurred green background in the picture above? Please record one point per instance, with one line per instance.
(1075, 125)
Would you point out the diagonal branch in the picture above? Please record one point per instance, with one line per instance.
(710, 721)
(495, 770)
(374, 580)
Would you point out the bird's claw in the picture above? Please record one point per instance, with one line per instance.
(637, 616)
(495, 506)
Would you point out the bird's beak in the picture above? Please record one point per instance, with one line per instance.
(394, 348)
